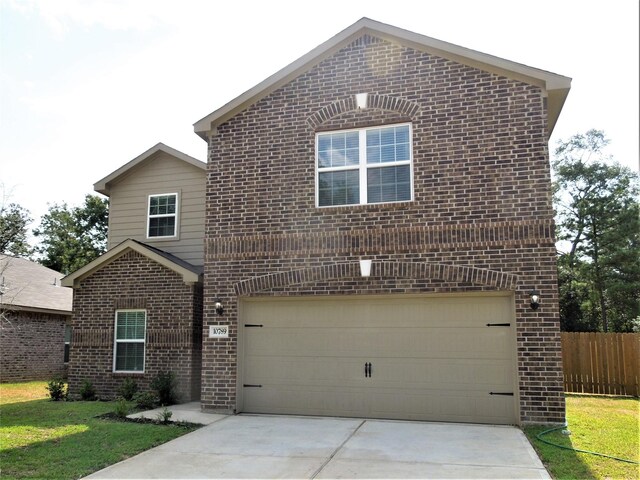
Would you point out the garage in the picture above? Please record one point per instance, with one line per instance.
(438, 358)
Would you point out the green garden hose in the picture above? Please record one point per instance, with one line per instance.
(539, 437)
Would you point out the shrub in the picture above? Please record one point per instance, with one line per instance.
(87, 391)
(145, 400)
(164, 415)
(128, 389)
(164, 384)
(57, 389)
(122, 408)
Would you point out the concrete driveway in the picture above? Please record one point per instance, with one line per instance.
(264, 446)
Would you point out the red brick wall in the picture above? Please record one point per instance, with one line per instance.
(173, 315)
(31, 346)
(482, 199)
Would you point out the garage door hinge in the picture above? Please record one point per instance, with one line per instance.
(498, 324)
(249, 385)
(252, 325)
(508, 394)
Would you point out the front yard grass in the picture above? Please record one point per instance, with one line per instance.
(601, 424)
(44, 439)
(40, 438)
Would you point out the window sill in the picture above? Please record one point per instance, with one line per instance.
(162, 239)
(368, 207)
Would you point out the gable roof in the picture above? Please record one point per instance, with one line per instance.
(190, 273)
(103, 185)
(27, 285)
(555, 86)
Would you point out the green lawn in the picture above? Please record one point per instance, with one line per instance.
(601, 424)
(44, 439)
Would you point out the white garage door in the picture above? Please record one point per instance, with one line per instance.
(439, 358)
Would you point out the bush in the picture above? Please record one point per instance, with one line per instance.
(164, 384)
(57, 389)
(122, 408)
(145, 400)
(128, 389)
(164, 415)
(87, 391)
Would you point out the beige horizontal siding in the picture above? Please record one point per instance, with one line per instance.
(163, 174)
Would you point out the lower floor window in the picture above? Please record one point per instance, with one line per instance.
(130, 331)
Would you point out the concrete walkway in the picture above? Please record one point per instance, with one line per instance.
(264, 446)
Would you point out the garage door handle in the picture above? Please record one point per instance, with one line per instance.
(508, 394)
(367, 369)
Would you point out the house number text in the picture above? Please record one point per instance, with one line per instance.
(218, 331)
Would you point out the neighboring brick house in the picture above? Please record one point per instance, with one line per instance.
(138, 308)
(35, 313)
(378, 242)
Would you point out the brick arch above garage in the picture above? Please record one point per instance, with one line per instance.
(384, 269)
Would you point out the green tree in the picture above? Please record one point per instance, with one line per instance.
(13, 227)
(13, 230)
(598, 217)
(72, 237)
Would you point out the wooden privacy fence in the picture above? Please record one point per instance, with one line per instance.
(602, 363)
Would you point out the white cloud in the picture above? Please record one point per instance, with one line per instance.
(63, 15)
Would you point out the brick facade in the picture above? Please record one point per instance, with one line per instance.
(32, 346)
(174, 325)
(481, 218)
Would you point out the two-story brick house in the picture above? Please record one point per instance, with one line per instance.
(378, 238)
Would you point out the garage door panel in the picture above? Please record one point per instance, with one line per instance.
(384, 404)
(442, 406)
(307, 400)
(305, 371)
(350, 402)
(437, 399)
(379, 312)
(439, 373)
(479, 342)
(397, 373)
(433, 358)
(311, 341)
(470, 342)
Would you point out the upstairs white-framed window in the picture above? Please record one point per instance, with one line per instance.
(129, 342)
(364, 166)
(162, 216)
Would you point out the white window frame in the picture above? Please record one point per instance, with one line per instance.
(164, 215)
(363, 166)
(116, 341)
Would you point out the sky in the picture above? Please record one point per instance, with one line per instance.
(88, 85)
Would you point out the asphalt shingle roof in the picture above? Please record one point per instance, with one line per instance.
(28, 285)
